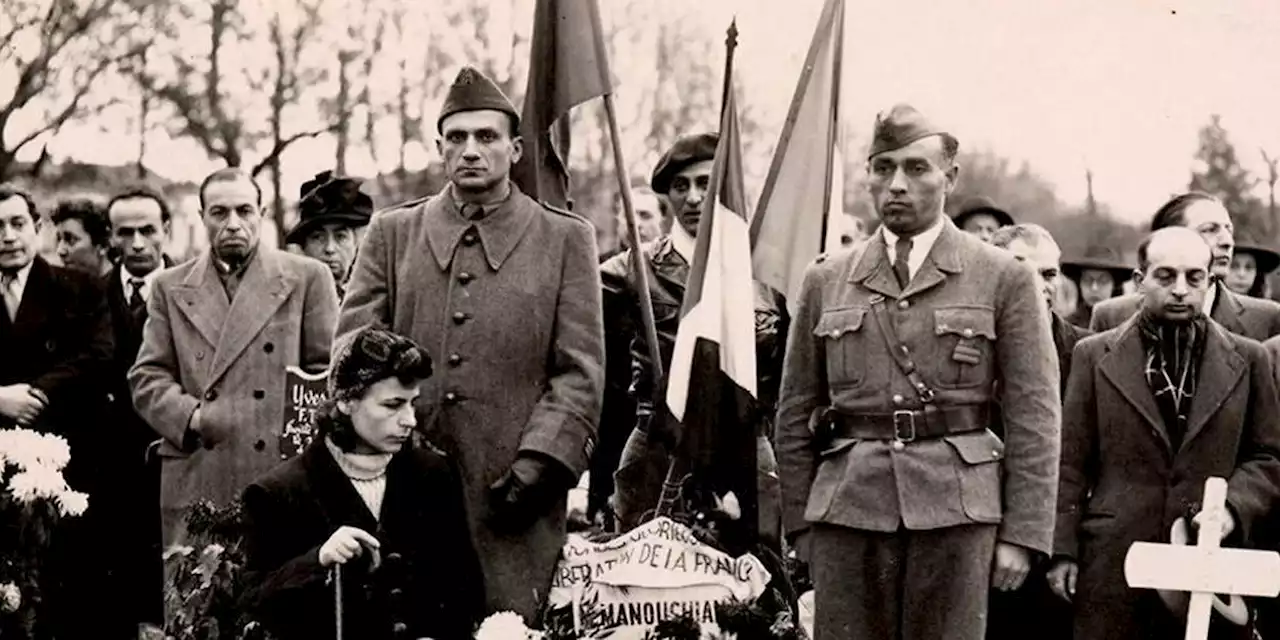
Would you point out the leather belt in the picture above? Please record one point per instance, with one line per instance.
(908, 425)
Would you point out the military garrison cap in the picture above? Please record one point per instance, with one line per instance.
(473, 91)
(898, 127)
(686, 151)
(981, 204)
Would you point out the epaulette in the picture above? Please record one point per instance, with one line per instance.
(564, 212)
(403, 205)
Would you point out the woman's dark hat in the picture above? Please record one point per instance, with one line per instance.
(1100, 258)
(326, 198)
(686, 151)
(1267, 258)
(370, 355)
(981, 204)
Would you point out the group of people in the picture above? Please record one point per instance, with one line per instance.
(946, 453)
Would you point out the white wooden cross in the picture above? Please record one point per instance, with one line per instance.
(1205, 569)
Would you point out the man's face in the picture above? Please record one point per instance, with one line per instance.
(1243, 273)
(75, 249)
(1096, 285)
(1213, 223)
(982, 225)
(648, 217)
(1176, 279)
(19, 234)
(478, 149)
(910, 185)
(1043, 258)
(688, 190)
(334, 244)
(232, 219)
(138, 233)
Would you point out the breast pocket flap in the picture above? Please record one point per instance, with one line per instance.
(836, 322)
(978, 448)
(966, 322)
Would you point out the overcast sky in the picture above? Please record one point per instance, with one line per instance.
(1119, 85)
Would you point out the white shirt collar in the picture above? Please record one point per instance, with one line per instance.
(683, 243)
(20, 284)
(145, 291)
(1209, 298)
(921, 244)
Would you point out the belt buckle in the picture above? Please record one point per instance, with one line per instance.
(904, 431)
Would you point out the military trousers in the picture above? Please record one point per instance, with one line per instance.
(643, 468)
(901, 585)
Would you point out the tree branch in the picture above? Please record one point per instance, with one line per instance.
(284, 144)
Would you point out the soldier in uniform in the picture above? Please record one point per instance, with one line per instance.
(895, 488)
(1240, 314)
(682, 175)
(504, 292)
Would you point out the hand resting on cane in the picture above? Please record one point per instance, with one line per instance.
(348, 543)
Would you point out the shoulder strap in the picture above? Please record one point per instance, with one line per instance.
(899, 352)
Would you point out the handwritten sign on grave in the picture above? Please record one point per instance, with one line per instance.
(304, 393)
(658, 571)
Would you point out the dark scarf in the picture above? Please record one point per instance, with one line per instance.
(1173, 361)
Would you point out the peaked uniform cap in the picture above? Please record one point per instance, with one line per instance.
(898, 127)
(474, 91)
(981, 204)
(686, 151)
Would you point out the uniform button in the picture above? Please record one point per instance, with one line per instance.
(394, 557)
(470, 238)
(259, 394)
(465, 277)
(260, 445)
(460, 317)
(268, 347)
(898, 445)
(995, 453)
(898, 399)
(211, 395)
(396, 592)
(920, 386)
(199, 355)
(454, 359)
(451, 398)
(968, 333)
(903, 304)
(400, 628)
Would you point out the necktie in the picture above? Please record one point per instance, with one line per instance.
(9, 290)
(136, 303)
(900, 270)
(472, 211)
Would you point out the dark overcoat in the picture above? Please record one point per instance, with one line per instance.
(1256, 318)
(509, 309)
(228, 358)
(429, 580)
(1121, 480)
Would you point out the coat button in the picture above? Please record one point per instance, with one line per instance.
(400, 628)
(199, 355)
(211, 395)
(260, 445)
(903, 304)
(465, 277)
(898, 445)
(454, 359)
(898, 399)
(259, 394)
(268, 347)
(450, 398)
(968, 333)
(470, 238)
(460, 317)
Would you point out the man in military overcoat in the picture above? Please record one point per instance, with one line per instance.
(505, 294)
(895, 488)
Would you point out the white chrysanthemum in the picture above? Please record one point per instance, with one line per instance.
(21, 447)
(54, 451)
(73, 503)
(10, 597)
(504, 625)
(37, 482)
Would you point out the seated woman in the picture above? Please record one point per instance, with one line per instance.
(363, 498)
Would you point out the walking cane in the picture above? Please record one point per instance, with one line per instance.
(337, 598)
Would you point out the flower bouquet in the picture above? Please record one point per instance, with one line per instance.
(34, 496)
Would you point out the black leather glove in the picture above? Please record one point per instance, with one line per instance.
(526, 493)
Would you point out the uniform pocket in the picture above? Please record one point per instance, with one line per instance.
(833, 464)
(844, 340)
(966, 337)
(978, 471)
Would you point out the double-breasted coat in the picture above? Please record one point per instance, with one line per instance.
(228, 358)
(1250, 317)
(508, 306)
(1122, 481)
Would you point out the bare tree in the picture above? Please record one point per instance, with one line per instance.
(1272, 176)
(58, 51)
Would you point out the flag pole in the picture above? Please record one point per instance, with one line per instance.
(639, 265)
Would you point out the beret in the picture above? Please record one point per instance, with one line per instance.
(686, 151)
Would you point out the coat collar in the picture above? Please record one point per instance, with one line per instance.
(874, 272)
(499, 231)
(1220, 369)
(1228, 310)
(36, 302)
(230, 326)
